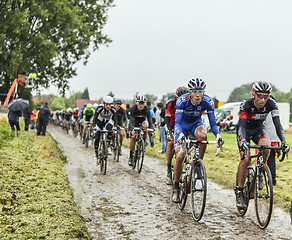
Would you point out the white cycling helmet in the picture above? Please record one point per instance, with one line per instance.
(70, 109)
(95, 105)
(197, 84)
(108, 99)
(141, 99)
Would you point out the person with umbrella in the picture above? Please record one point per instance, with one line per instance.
(43, 119)
(13, 117)
(15, 108)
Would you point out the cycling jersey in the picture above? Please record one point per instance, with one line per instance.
(68, 116)
(188, 115)
(138, 117)
(121, 117)
(87, 115)
(251, 118)
(103, 116)
(170, 112)
(75, 114)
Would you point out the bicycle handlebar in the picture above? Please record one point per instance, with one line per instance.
(262, 147)
(190, 141)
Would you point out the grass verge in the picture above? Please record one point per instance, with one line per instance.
(36, 200)
(222, 169)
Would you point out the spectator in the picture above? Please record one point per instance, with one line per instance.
(43, 119)
(153, 122)
(13, 117)
(32, 119)
(26, 116)
(270, 127)
(160, 114)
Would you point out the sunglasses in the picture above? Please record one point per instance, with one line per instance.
(141, 102)
(262, 96)
(196, 91)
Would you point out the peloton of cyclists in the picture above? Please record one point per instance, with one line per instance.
(139, 117)
(105, 117)
(169, 128)
(252, 113)
(189, 108)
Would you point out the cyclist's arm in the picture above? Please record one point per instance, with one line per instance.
(212, 122)
(242, 125)
(84, 115)
(125, 119)
(115, 118)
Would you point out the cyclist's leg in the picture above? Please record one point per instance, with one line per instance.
(177, 165)
(85, 125)
(132, 144)
(261, 138)
(200, 131)
(169, 155)
(145, 126)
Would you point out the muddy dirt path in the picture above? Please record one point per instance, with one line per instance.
(126, 205)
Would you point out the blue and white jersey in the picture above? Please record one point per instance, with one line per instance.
(188, 114)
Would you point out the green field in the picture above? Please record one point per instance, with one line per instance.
(222, 169)
(36, 200)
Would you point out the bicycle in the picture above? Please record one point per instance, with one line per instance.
(117, 148)
(259, 186)
(88, 134)
(194, 178)
(103, 151)
(140, 148)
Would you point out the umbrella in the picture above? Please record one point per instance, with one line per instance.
(18, 104)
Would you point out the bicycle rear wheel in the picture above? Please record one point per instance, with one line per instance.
(141, 156)
(263, 195)
(183, 192)
(199, 190)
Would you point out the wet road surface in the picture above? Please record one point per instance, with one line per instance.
(124, 204)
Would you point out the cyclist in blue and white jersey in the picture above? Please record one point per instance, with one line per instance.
(189, 108)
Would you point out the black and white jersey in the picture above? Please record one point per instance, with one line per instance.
(103, 116)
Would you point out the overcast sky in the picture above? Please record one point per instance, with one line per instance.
(159, 45)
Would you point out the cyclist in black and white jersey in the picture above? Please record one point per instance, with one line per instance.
(105, 117)
(252, 113)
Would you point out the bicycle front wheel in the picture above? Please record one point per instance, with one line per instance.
(86, 138)
(103, 157)
(199, 190)
(263, 195)
(141, 155)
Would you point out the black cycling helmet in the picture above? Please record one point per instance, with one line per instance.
(119, 102)
(262, 86)
(181, 90)
(84, 105)
(197, 84)
(141, 99)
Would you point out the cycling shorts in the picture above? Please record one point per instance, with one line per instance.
(185, 128)
(254, 134)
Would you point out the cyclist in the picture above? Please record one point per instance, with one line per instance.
(68, 117)
(105, 117)
(253, 111)
(75, 115)
(139, 117)
(189, 108)
(88, 114)
(169, 128)
(81, 117)
(122, 121)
